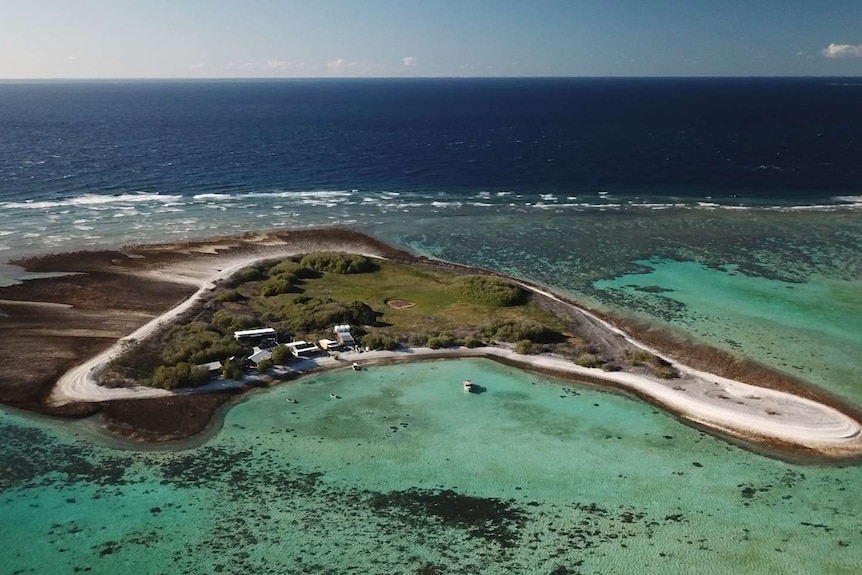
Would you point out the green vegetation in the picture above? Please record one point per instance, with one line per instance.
(303, 297)
(281, 355)
(179, 375)
(338, 263)
(379, 340)
(653, 364)
(231, 370)
(265, 365)
(198, 343)
(514, 331)
(589, 360)
(488, 291)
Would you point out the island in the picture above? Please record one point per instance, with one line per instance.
(154, 340)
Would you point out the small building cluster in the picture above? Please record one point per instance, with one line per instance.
(265, 339)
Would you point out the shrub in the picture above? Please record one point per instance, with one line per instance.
(265, 365)
(472, 342)
(231, 370)
(317, 314)
(442, 341)
(589, 360)
(338, 263)
(379, 341)
(281, 355)
(179, 375)
(228, 322)
(640, 357)
(284, 283)
(287, 266)
(488, 291)
(417, 339)
(231, 295)
(244, 275)
(525, 347)
(513, 331)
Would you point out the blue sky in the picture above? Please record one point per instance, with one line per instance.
(330, 38)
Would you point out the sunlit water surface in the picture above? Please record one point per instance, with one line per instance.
(407, 473)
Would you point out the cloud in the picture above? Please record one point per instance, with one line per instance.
(241, 66)
(197, 66)
(342, 66)
(843, 51)
(409, 62)
(286, 65)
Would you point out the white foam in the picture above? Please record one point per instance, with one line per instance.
(855, 200)
(91, 200)
(300, 194)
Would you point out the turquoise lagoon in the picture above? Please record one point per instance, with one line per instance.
(406, 473)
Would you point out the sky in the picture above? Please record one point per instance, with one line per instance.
(428, 38)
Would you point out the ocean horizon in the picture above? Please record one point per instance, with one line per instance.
(724, 209)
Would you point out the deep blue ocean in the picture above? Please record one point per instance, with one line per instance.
(727, 210)
(733, 140)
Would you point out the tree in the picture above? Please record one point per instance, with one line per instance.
(179, 375)
(231, 370)
(281, 355)
(264, 365)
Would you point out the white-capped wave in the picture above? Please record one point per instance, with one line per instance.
(300, 194)
(91, 200)
(854, 200)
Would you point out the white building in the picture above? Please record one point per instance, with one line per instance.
(342, 334)
(255, 335)
(302, 348)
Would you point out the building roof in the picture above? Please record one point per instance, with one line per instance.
(257, 332)
(300, 347)
(211, 366)
(328, 343)
(259, 356)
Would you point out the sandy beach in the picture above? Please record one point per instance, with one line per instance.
(753, 414)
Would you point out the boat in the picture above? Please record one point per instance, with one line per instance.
(333, 396)
(291, 400)
(356, 367)
(468, 386)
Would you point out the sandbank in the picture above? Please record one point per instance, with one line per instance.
(753, 414)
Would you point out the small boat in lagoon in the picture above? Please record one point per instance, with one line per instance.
(468, 386)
